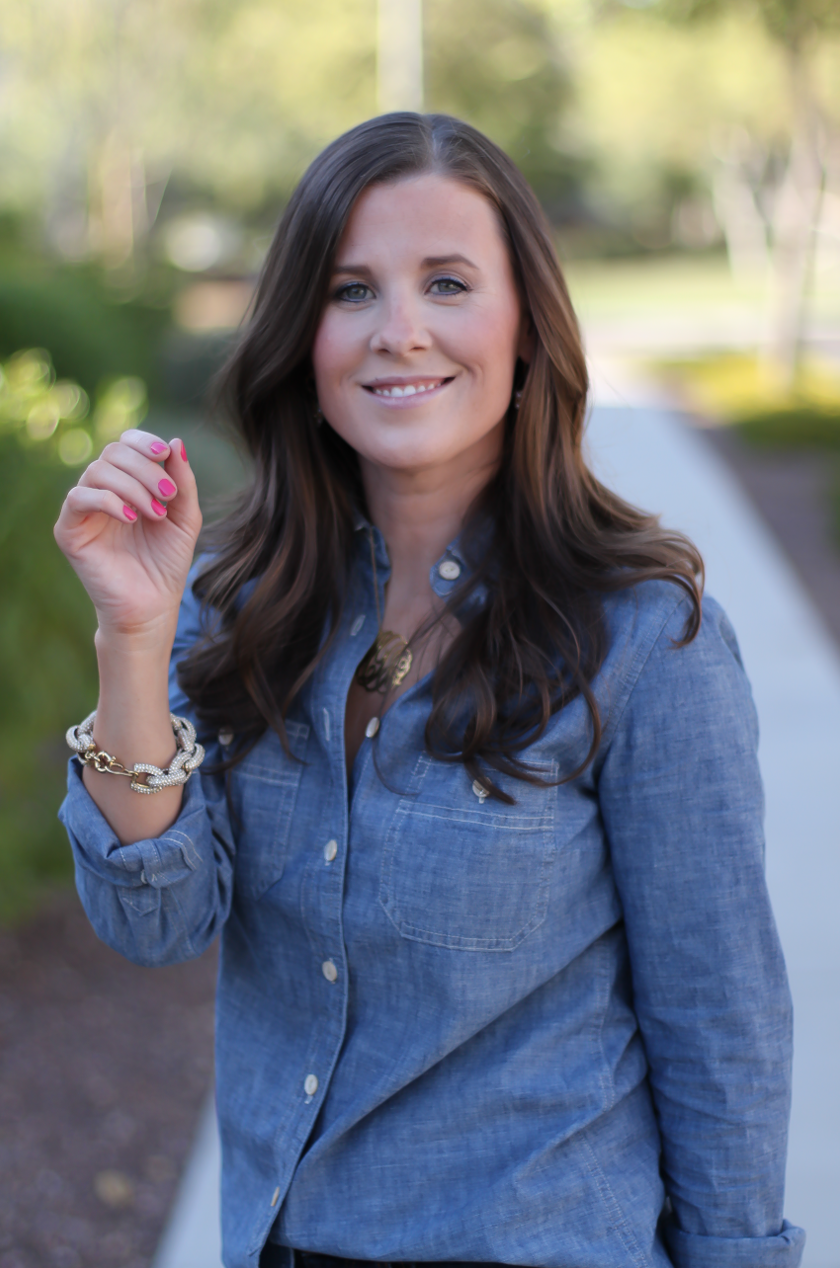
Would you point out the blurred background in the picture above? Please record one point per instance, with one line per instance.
(687, 153)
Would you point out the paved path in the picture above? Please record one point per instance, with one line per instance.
(649, 456)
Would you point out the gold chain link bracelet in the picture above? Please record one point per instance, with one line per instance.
(189, 757)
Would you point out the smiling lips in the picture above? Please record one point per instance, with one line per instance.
(394, 390)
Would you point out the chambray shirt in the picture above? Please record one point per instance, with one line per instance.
(555, 1033)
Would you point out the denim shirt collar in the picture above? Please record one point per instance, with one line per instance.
(451, 570)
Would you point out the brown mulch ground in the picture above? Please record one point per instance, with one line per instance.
(104, 1066)
(793, 492)
(103, 1069)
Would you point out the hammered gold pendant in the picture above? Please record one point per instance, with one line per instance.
(386, 664)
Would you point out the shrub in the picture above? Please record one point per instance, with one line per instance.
(48, 677)
(47, 672)
(71, 311)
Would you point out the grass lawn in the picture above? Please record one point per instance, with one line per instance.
(678, 284)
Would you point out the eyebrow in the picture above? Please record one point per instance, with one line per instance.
(430, 262)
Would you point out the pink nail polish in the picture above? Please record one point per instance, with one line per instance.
(157, 508)
(167, 488)
(129, 514)
(183, 452)
(158, 447)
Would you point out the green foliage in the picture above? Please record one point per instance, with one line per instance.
(47, 671)
(47, 665)
(743, 388)
(790, 21)
(800, 427)
(498, 64)
(234, 99)
(90, 334)
(56, 413)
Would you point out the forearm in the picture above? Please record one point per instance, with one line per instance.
(132, 724)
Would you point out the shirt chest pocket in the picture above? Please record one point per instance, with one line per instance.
(263, 790)
(465, 873)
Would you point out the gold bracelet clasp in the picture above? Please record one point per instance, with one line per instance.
(104, 762)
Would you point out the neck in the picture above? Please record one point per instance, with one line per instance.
(420, 512)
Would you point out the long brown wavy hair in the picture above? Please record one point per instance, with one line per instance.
(561, 539)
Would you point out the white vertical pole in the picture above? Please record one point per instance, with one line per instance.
(399, 55)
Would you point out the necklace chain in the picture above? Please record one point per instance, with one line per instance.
(389, 659)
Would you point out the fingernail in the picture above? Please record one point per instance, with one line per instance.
(157, 508)
(167, 488)
(183, 452)
(158, 447)
(129, 514)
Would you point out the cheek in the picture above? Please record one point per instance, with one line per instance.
(492, 345)
(329, 355)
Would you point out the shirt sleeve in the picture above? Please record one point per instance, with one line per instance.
(164, 899)
(682, 803)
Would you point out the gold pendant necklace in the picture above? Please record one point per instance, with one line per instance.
(389, 659)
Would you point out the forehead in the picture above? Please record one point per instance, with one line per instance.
(426, 215)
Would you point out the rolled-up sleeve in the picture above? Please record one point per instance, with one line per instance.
(164, 899)
(682, 803)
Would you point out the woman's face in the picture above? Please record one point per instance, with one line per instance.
(416, 348)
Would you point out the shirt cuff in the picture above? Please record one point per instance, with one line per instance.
(690, 1250)
(156, 862)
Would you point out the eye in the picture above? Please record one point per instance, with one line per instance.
(354, 292)
(447, 286)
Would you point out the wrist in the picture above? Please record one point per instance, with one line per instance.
(150, 643)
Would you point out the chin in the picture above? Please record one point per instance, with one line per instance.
(403, 448)
(412, 457)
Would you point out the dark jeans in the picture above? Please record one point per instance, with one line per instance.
(281, 1257)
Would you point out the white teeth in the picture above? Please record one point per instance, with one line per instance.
(410, 389)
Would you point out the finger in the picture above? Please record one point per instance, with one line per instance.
(147, 443)
(131, 491)
(81, 503)
(184, 510)
(120, 457)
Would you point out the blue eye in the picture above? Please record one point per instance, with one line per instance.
(447, 286)
(355, 292)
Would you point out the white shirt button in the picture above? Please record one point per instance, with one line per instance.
(449, 570)
(310, 1084)
(329, 970)
(226, 737)
(371, 728)
(357, 625)
(330, 850)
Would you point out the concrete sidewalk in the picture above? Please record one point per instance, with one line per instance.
(653, 459)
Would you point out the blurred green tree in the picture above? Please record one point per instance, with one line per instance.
(797, 26)
(104, 102)
(500, 65)
(47, 672)
(47, 663)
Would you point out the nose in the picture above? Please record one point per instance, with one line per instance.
(400, 328)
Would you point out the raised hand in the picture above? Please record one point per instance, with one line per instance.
(129, 529)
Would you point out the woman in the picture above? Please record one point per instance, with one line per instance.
(481, 825)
